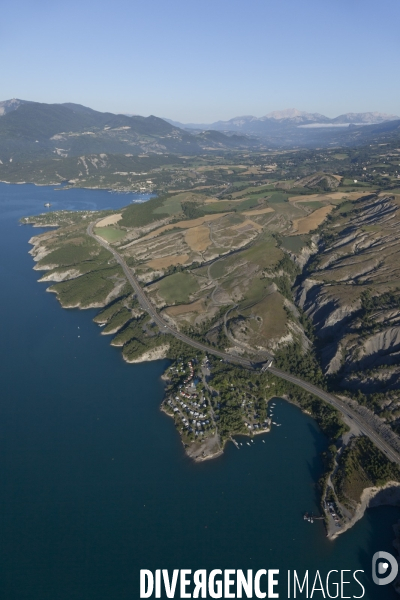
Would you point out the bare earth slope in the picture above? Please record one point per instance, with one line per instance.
(352, 295)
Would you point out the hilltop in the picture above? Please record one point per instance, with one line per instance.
(53, 143)
(33, 130)
(289, 117)
(291, 127)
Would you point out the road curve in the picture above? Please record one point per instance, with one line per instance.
(145, 303)
(149, 308)
(364, 427)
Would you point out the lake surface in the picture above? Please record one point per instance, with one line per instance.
(94, 481)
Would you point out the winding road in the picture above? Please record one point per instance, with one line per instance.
(149, 308)
(346, 411)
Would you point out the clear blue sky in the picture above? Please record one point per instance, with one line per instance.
(200, 61)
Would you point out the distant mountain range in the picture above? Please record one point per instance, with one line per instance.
(33, 130)
(30, 130)
(288, 119)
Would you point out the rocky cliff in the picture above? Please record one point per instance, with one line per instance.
(351, 292)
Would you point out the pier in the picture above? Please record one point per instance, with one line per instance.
(235, 442)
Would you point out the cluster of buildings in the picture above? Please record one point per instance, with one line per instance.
(254, 426)
(186, 395)
(194, 419)
(330, 506)
(191, 372)
(250, 424)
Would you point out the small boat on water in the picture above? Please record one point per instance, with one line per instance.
(263, 441)
(273, 423)
(47, 204)
(248, 443)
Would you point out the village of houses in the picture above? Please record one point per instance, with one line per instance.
(190, 408)
(195, 405)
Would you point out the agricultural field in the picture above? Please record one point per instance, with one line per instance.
(242, 236)
(312, 221)
(311, 205)
(177, 288)
(110, 234)
(217, 235)
(257, 254)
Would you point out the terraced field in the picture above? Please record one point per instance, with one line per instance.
(241, 248)
(305, 267)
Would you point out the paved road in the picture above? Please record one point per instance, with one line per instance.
(149, 308)
(144, 301)
(364, 427)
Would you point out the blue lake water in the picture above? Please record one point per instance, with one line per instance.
(94, 481)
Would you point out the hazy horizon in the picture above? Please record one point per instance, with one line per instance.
(200, 62)
(167, 117)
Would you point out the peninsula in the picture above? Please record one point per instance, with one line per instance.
(238, 285)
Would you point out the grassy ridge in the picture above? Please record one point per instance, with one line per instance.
(362, 465)
(91, 288)
(74, 251)
(138, 215)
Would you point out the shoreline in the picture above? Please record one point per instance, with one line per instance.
(372, 497)
(213, 448)
(80, 187)
(220, 452)
(157, 353)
